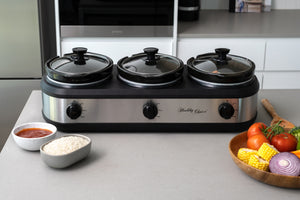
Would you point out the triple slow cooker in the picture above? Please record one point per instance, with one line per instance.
(150, 92)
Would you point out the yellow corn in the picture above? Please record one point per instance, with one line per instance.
(267, 151)
(245, 153)
(258, 162)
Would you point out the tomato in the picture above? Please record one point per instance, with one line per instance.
(256, 141)
(284, 142)
(256, 129)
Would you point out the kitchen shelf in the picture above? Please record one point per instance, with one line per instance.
(221, 23)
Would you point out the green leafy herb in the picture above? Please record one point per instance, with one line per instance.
(296, 132)
(273, 130)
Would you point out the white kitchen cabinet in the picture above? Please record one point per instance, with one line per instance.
(282, 54)
(259, 76)
(254, 49)
(223, 5)
(117, 48)
(275, 59)
(281, 80)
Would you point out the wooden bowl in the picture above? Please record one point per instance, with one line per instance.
(240, 141)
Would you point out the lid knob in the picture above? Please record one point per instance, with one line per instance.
(150, 51)
(79, 58)
(222, 52)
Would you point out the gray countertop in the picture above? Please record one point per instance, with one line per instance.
(152, 166)
(221, 23)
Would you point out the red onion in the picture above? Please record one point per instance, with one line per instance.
(285, 163)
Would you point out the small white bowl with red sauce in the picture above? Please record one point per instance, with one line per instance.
(30, 136)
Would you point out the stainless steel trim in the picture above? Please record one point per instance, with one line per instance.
(131, 110)
(57, 29)
(219, 84)
(116, 31)
(148, 85)
(175, 28)
(77, 85)
(190, 8)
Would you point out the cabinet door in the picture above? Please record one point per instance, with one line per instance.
(282, 54)
(259, 76)
(253, 49)
(281, 80)
(19, 40)
(117, 48)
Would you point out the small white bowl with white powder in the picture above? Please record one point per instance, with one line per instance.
(65, 151)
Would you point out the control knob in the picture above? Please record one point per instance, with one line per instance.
(74, 110)
(226, 110)
(150, 110)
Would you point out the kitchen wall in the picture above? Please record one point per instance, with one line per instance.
(13, 96)
(276, 4)
(20, 66)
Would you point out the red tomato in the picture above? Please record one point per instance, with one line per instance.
(284, 142)
(256, 129)
(256, 141)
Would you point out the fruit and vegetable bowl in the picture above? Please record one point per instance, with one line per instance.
(268, 154)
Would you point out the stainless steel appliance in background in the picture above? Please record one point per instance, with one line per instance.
(107, 18)
(101, 18)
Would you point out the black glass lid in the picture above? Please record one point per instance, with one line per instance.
(79, 67)
(150, 67)
(221, 67)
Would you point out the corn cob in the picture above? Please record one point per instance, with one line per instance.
(267, 151)
(245, 153)
(259, 163)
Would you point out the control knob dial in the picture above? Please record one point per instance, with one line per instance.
(150, 110)
(226, 110)
(74, 110)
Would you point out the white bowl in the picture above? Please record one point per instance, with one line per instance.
(33, 144)
(65, 160)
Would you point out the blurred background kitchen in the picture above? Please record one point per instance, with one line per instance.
(25, 45)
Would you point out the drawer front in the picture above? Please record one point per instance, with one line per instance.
(282, 54)
(254, 49)
(281, 80)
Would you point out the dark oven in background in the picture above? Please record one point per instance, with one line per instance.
(116, 18)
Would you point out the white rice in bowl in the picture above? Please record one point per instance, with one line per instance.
(65, 145)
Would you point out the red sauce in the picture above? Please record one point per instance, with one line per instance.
(33, 133)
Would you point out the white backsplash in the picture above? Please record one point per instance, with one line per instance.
(276, 4)
(286, 4)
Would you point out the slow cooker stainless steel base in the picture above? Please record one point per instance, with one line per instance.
(116, 107)
(135, 110)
